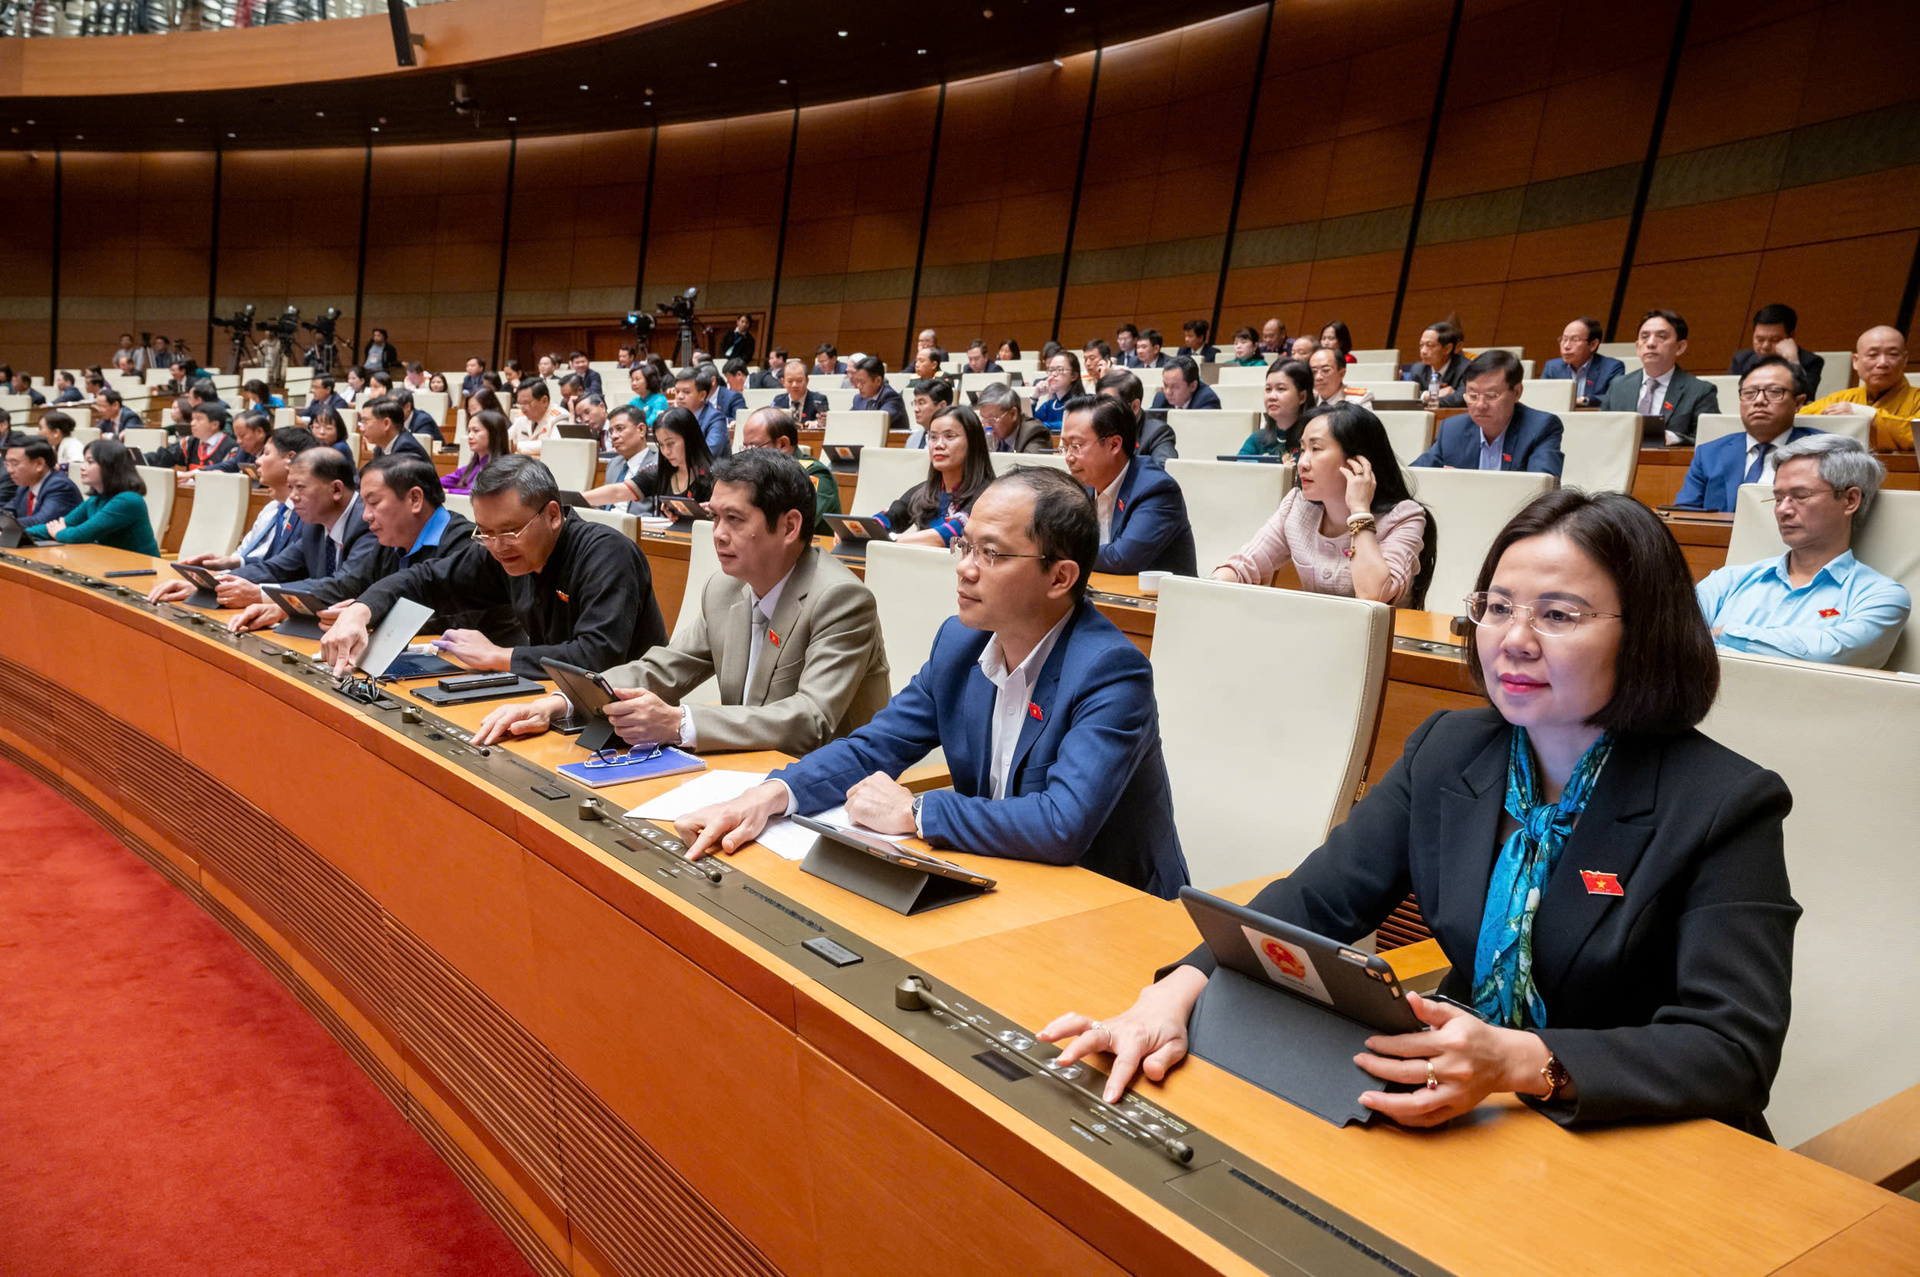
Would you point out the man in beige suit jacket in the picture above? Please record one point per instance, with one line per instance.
(792, 637)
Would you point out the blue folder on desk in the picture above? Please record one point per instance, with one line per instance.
(637, 764)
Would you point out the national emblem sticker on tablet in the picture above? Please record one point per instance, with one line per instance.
(1288, 964)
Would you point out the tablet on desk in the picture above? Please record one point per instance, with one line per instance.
(685, 510)
(884, 872)
(1256, 458)
(13, 534)
(842, 456)
(574, 430)
(590, 694)
(855, 528)
(302, 609)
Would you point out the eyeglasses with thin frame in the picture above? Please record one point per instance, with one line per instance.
(488, 538)
(624, 757)
(1549, 618)
(1800, 496)
(961, 548)
(1772, 394)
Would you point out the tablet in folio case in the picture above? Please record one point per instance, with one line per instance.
(898, 877)
(1288, 1010)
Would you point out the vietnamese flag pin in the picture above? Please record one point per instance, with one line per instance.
(773, 638)
(1033, 712)
(1602, 884)
(1828, 613)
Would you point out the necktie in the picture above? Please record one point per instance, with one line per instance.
(753, 647)
(1759, 465)
(32, 499)
(1650, 399)
(331, 556)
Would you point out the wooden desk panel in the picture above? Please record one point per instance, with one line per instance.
(638, 1073)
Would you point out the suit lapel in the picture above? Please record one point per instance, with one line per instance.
(1468, 840)
(977, 708)
(785, 613)
(1612, 834)
(734, 651)
(1043, 697)
(1124, 501)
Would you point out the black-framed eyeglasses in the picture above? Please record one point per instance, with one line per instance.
(961, 548)
(1549, 618)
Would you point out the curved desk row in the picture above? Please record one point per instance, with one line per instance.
(641, 1071)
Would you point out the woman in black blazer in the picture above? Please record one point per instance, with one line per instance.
(1653, 979)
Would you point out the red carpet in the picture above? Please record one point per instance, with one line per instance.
(166, 1107)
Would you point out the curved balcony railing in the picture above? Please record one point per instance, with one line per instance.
(160, 17)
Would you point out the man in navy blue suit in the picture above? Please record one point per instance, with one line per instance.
(1582, 363)
(1497, 432)
(1182, 387)
(1044, 710)
(1770, 395)
(41, 493)
(1142, 515)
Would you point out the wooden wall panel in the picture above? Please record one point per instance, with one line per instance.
(290, 231)
(26, 261)
(716, 212)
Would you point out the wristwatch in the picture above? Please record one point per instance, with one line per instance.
(1555, 1075)
(917, 800)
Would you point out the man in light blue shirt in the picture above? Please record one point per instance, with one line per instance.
(1816, 602)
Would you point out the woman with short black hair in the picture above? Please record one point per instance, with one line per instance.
(1608, 883)
(115, 511)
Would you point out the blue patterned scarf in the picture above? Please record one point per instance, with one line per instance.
(1503, 989)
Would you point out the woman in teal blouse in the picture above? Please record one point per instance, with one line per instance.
(1289, 396)
(646, 391)
(115, 511)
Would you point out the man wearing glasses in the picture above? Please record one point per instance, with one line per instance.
(1497, 432)
(1044, 710)
(582, 591)
(1769, 397)
(1816, 602)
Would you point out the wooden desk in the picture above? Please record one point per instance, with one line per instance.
(633, 1084)
(1662, 470)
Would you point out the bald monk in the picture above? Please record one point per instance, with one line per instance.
(1880, 363)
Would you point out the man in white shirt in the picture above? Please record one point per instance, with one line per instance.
(789, 633)
(1330, 380)
(627, 431)
(277, 524)
(534, 418)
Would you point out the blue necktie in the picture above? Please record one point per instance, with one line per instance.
(331, 555)
(1759, 465)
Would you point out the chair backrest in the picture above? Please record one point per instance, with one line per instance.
(1235, 375)
(1709, 426)
(837, 400)
(1554, 395)
(1836, 373)
(1410, 430)
(885, 473)
(461, 504)
(1889, 544)
(1389, 392)
(1375, 356)
(226, 383)
(1236, 398)
(1626, 352)
(256, 373)
(971, 381)
(629, 524)
(1262, 768)
(1357, 372)
(1849, 847)
(1728, 388)
(160, 494)
(17, 405)
(1227, 502)
(1005, 461)
(867, 427)
(434, 403)
(572, 461)
(301, 376)
(1855, 425)
(158, 376)
(84, 435)
(1469, 509)
(144, 438)
(756, 399)
(913, 589)
(1602, 451)
(284, 417)
(219, 517)
(1206, 433)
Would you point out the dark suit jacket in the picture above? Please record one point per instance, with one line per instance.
(405, 441)
(192, 454)
(1532, 442)
(1451, 376)
(1028, 436)
(389, 359)
(302, 562)
(816, 403)
(765, 379)
(1669, 1001)
(1811, 368)
(58, 496)
(889, 402)
(471, 385)
(1202, 397)
(497, 622)
(333, 400)
(1600, 372)
(1088, 784)
(737, 345)
(1718, 468)
(1151, 532)
(1686, 398)
(1157, 440)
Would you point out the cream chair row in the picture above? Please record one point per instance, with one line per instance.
(1714, 425)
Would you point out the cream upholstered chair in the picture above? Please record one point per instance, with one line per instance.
(837, 400)
(84, 435)
(284, 418)
(1844, 740)
(16, 405)
(1234, 375)
(913, 589)
(160, 494)
(1005, 461)
(1389, 392)
(1469, 509)
(1889, 544)
(628, 524)
(1716, 425)
(435, 403)
(972, 381)
(1727, 387)
(144, 439)
(1410, 430)
(1554, 395)
(1262, 768)
(1366, 372)
(1227, 502)
(1625, 351)
(885, 473)
(1233, 398)
(1375, 356)
(1602, 451)
(702, 564)
(156, 377)
(1206, 433)
(756, 399)
(461, 504)
(868, 427)
(1709, 426)
(573, 462)
(219, 516)
(257, 373)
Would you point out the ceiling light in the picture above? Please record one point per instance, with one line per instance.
(843, 35)
(513, 119)
(320, 115)
(1058, 63)
(783, 81)
(583, 88)
(1069, 9)
(30, 121)
(79, 137)
(233, 135)
(376, 128)
(919, 50)
(178, 119)
(713, 64)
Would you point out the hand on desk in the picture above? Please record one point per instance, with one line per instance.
(473, 649)
(641, 718)
(527, 719)
(1149, 1037)
(882, 804)
(215, 562)
(259, 616)
(234, 591)
(342, 644)
(1469, 1058)
(54, 527)
(171, 591)
(730, 826)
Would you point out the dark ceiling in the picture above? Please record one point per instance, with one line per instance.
(772, 55)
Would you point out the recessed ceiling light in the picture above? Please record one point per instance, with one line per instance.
(1069, 8)
(79, 137)
(713, 64)
(178, 119)
(31, 121)
(376, 128)
(320, 115)
(233, 135)
(783, 81)
(583, 88)
(919, 50)
(843, 35)
(513, 119)
(1058, 63)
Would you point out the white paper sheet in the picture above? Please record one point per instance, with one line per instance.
(782, 837)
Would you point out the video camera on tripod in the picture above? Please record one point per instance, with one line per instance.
(241, 325)
(680, 308)
(325, 336)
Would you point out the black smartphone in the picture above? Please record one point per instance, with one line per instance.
(473, 682)
(130, 572)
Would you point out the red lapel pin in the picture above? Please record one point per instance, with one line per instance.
(773, 638)
(1033, 712)
(1828, 613)
(561, 595)
(1602, 884)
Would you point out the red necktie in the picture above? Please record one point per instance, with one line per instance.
(31, 498)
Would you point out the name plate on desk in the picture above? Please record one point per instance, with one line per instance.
(903, 880)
